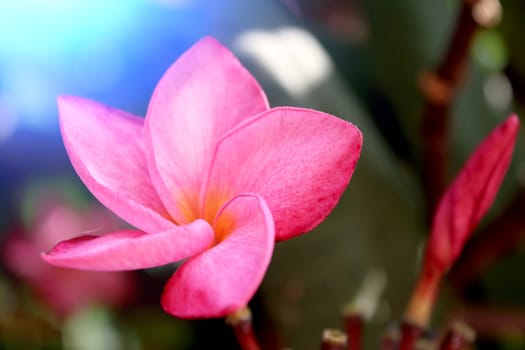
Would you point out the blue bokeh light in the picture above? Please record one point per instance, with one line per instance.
(110, 51)
(91, 48)
(56, 27)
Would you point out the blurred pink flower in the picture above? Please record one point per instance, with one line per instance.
(63, 290)
(212, 175)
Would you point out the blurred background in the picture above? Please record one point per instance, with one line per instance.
(360, 60)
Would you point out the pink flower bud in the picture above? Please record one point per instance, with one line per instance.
(469, 197)
(461, 208)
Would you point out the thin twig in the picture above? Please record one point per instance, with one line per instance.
(410, 333)
(354, 330)
(333, 339)
(390, 338)
(241, 323)
(458, 337)
(438, 88)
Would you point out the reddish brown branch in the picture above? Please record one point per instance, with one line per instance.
(438, 88)
(452, 68)
(241, 323)
(390, 339)
(410, 333)
(354, 330)
(333, 339)
(458, 337)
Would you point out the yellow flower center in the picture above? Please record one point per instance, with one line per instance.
(223, 223)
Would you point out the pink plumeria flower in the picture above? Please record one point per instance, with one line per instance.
(64, 291)
(460, 209)
(211, 175)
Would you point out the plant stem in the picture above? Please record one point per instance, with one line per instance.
(438, 88)
(390, 339)
(420, 307)
(333, 339)
(458, 337)
(354, 330)
(410, 333)
(423, 297)
(241, 323)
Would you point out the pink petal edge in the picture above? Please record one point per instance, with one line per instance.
(471, 194)
(299, 160)
(205, 93)
(224, 278)
(131, 250)
(104, 146)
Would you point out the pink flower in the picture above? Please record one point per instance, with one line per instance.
(64, 291)
(459, 211)
(211, 175)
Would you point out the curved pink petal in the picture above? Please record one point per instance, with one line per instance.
(204, 94)
(130, 250)
(224, 278)
(298, 160)
(470, 195)
(105, 148)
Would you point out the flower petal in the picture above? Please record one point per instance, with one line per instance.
(224, 278)
(204, 94)
(298, 160)
(470, 195)
(130, 250)
(106, 150)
